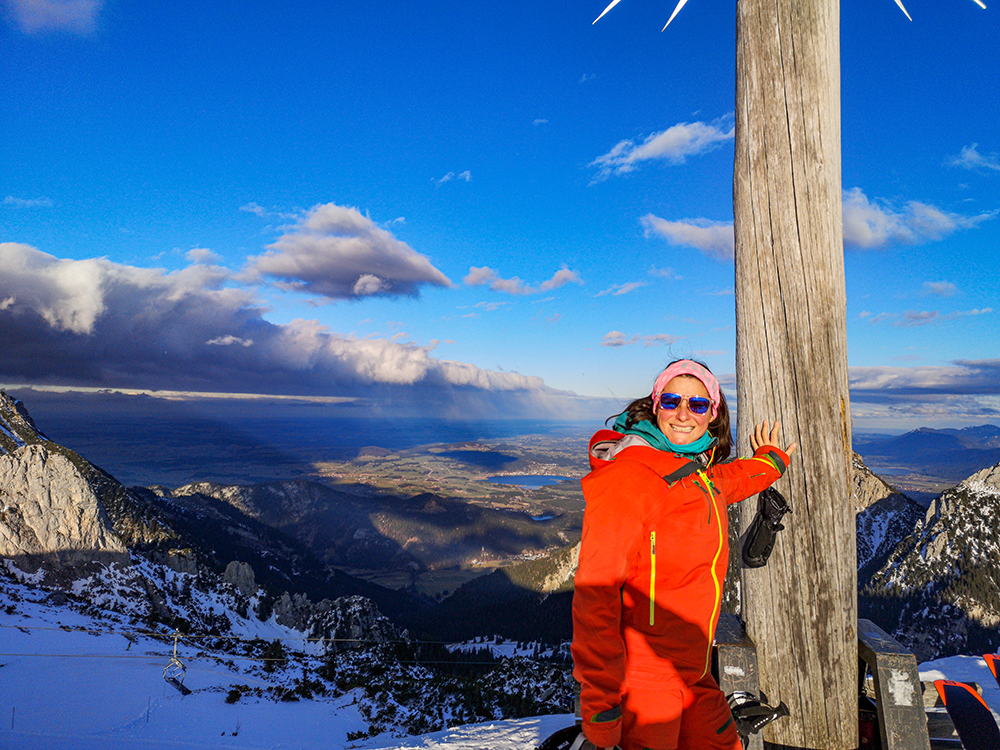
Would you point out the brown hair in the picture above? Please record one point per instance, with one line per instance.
(642, 410)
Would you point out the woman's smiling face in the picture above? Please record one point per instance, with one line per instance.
(681, 426)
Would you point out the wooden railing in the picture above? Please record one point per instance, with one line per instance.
(894, 681)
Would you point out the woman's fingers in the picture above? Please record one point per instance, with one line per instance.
(766, 434)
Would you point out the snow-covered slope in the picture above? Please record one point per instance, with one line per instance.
(83, 667)
(69, 681)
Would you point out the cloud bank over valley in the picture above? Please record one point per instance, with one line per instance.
(103, 324)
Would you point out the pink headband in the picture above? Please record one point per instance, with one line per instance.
(688, 367)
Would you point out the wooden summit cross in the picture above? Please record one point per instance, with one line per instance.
(791, 359)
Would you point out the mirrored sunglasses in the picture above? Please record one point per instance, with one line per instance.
(696, 404)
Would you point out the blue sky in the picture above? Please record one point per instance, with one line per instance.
(462, 203)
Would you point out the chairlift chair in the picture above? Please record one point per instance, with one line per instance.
(175, 670)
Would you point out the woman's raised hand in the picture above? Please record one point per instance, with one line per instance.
(763, 434)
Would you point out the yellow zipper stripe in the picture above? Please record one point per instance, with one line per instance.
(652, 577)
(715, 580)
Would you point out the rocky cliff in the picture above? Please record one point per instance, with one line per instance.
(939, 589)
(50, 513)
(132, 519)
(884, 517)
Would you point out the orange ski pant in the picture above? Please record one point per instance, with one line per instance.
(678, 717)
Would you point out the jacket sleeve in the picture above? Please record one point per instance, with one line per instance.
(747, 476)
(612, 530)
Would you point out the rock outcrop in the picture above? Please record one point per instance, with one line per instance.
(17, 428)
(240, 575)
(868, 488)
(349, 622)
(51, 514)
(939, 589)
(884, 517)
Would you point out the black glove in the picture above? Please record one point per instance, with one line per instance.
(771, 508)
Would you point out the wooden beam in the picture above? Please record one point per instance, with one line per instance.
(899, 696)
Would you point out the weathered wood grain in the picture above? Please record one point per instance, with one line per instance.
(791, 360)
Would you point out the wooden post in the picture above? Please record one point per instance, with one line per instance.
(791, 361)
(734, 663)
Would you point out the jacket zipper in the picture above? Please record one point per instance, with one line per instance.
(715, 577)
(652, 577)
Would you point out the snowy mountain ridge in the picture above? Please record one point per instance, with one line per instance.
(938, 589)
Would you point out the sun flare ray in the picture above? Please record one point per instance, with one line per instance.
(680, 4)
(613, 4)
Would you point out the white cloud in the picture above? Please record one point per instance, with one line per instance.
(337, 253)
(940, 288)
(265, 213)
(229, 341)
(202, 255)
(254, 208)
(966, 392)
(866, 225)
(674, 145)
(98, 323)
(41, 202)
(587, 77)
(34, 16)
(617, 339)
(714, 239)
(466, 175)
(482, 276)
(560, 278)
(664, 273)
(970, 158)
(540, 121)
(619, 289)
(870, 225)
(491, 306)
(917, 318)
(965, 377)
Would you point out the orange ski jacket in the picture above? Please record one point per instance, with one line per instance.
(653, 559)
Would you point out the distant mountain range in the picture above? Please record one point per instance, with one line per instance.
(59, 511)
(931, 577)
(951, 454)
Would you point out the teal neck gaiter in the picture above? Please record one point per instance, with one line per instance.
(652, 435)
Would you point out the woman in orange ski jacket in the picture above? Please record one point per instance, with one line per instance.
(653, 558)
